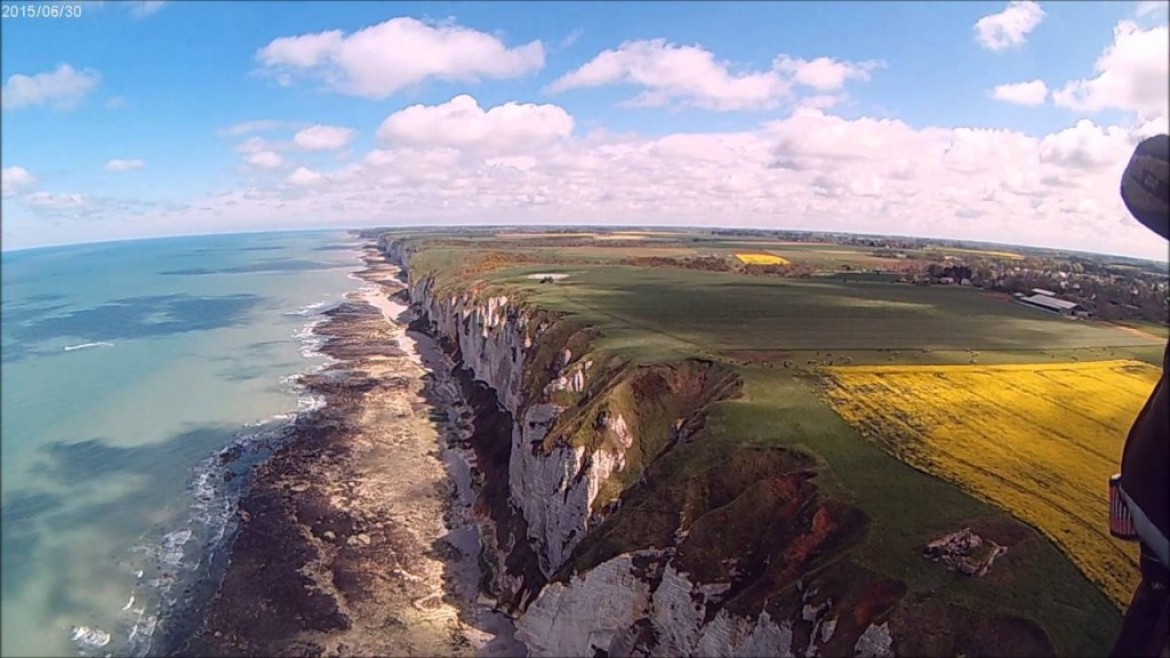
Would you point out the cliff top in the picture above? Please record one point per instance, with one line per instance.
(654, 300)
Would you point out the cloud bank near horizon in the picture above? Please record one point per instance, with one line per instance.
(803, 153)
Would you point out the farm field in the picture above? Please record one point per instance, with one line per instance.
(618, 245)
(910, 507)
(723, 312)
(1149, 328)
(761, 259)
(1039, 440)
(827, 256)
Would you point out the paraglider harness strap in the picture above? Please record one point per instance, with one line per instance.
(1153, 571)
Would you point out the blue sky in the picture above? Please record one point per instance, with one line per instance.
(896, 129)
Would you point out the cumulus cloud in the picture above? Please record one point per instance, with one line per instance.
(1009, 27)
(833, 140)
(1022, 93)
(809, 170)
(383, 59)
(1157, 9)
(14, 179)
(1087, 146)
(692, 75)
(305, 177)
(323, 138)
(64, 88)
(265, 160)
(1132, 75)
(461, 123)
(124, 165)
(824, 73)
(823, 101)
(673, 72)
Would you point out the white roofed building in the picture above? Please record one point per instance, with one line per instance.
(1051, 304)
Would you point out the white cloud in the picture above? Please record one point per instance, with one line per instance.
(1022, 93)
(253, 144)
(266, 160)
(461, 123)
(383, 59)
(1009, 27)
(824, 73)
(823, 101)
(145, 8)
(323, 138)
(1132, 75)
(13, 179)
(691, 75)
(259, 126)
(305, 177)
(63, 89)
(1158, 9)
(672, 72)
(1087, 146)
(301, 52)
(117, 103)
(810, 170)
(124, 165)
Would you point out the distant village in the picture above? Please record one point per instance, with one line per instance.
(1073, 284)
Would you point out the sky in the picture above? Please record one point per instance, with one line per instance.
(1007, 122)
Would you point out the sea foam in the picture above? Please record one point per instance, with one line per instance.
(70, 348)
(186, 554)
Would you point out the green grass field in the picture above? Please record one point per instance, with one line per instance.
(755, 324)
(909, 508)
(1159, 330)
(577, 246)
(720, 312)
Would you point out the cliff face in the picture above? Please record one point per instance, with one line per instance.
(596, 540)
(552, 490)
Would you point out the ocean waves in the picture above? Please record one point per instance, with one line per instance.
(175, 570)
(310, 309)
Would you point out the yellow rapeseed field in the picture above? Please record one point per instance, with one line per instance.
(762, 259)
(1038, 440)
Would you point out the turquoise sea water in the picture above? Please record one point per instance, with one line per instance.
(127, 368)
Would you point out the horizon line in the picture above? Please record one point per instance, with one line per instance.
(674, 227)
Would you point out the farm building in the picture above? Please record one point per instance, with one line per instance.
(1041, 291)
(1052, 304)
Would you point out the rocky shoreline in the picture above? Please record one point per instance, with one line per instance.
(357, 537)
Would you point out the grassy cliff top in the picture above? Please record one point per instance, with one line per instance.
(660, 298)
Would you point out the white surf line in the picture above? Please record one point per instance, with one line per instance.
(103, 343)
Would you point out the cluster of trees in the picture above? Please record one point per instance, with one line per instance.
(795, 270)
(1109, 297)
(956, 272)
(708, 263)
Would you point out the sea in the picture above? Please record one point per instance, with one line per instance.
(139, 381)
